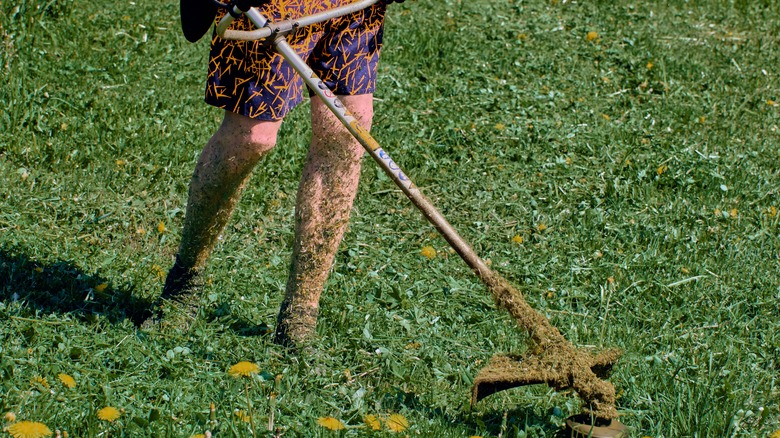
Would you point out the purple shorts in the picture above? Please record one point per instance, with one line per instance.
(251, 79)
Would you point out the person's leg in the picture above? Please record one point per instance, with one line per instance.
(325, 195)
(222, 170)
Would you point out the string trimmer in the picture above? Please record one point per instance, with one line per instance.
(551, 359)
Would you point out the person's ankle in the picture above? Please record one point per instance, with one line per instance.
(296, 325)
(181, 281)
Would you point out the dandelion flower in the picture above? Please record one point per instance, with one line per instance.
(10, 417)
(428, 252)
(733, 212)
(109, 414)
(500, 126)
(29, 429)
(592, 36)
(242, 415)
(101, 287)
(649, 65)
(775, 434)
(541, 227)
(67, 380)
(199, 435)
(244, 369)
(397, 423)
(161, 227)
(772, 212)
(41, 381)
(517, 239)
(372, 422)
(661, 169)
(331, 423)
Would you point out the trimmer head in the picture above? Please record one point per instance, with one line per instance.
(563, 369)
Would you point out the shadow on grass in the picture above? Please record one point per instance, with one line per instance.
(63, 287)
(495, 423)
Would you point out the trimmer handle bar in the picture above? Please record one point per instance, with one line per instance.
(281, 28)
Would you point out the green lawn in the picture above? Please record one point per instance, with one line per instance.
(617, 161)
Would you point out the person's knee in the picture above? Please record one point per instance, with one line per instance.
(252, 138)
(328, 131)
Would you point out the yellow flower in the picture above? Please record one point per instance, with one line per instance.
(67, 380)
(733, 212)
(331, 423)
(541, 227)
(500, 126)
(397, 423)
(649, 65)
(41, 381)
(592, 36)
(772, 212)
(517, 238)
(200, 435)
(109, 414)
(244, 369)
(428, 252)
(775, 434)
(29, 429)
(161, 228)
(372, 422)
(661, 169)
(242, 415)
(10, 417)
(101, 287)
(159, 272)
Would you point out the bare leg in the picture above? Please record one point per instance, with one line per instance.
(325, 195)
(223, 168)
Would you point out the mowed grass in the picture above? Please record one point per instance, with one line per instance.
(618, 161)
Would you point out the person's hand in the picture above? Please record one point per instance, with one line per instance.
(244, 5)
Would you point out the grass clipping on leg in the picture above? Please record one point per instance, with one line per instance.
(553, 359)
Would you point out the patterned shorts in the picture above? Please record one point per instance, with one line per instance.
(251, 79)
